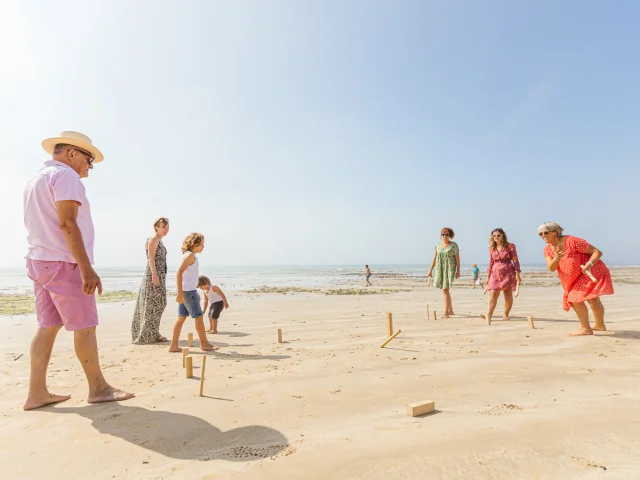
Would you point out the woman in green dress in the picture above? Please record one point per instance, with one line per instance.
(446, 267)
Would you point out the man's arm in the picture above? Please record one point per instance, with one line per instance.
(67, 219)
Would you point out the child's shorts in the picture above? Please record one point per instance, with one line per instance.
(191, 305)
(216, 309)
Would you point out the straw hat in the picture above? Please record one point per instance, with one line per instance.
(75, 139)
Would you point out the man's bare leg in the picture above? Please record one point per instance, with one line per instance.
(87, 351)
(508, 303)
(583, 315)
(215, 325)
(41, 347)
(205, 346)
(175, 339)
(598, 314)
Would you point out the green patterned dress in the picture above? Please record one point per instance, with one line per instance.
(444, 273)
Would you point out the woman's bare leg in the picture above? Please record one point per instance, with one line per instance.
(508, 303)
(583, 315)
(447, 303)
(598, 314)
(493, 301)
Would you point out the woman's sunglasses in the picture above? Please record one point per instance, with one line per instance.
(497, 235)
(444, 234)
(544, 233)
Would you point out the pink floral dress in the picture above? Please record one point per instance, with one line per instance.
(503, 266)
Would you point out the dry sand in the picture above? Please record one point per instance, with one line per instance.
(511, 402)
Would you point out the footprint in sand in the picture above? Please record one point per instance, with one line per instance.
(502, 409)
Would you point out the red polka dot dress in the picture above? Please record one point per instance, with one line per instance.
(577, 286)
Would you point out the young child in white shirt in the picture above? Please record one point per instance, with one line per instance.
(215, 299)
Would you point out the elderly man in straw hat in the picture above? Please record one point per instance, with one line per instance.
(59, 261)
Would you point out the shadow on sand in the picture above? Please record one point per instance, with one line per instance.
(181, 436)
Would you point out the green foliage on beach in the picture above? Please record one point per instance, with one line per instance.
(25, 304)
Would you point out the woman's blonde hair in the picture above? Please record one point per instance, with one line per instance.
(493, 244)
(161, 222)
(551, 227)
(192, 241)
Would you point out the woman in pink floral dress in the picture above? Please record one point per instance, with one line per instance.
(504, 272)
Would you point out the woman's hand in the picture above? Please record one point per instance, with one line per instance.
(458, 274)
(586, 267)
(517, 277)
(430, 274)
(155, 279)
(180, 297)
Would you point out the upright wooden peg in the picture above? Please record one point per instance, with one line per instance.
(279, 335)
(204, 365)
(428, 314)
(190, 340)
(435, 317)
(189, 364)
(185, 352)
(530, 318)
(389, 324)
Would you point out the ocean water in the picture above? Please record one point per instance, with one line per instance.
(15, 281)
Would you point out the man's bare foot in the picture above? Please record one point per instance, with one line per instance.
(215, 331)
(505, 317)
(173, 349)
(208, 348)
(46, 399)
(110, 394)
(600, 328)
(208, 331)
(581, 332)
(444, 316)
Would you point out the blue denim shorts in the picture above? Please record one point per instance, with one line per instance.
(191, 305)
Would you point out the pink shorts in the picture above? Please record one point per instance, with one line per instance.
(59, 299)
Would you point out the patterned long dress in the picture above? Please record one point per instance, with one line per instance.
(151, 302)
(444, 272)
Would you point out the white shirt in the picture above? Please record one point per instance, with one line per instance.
(54, 182)
(213, 296)
(190, 276)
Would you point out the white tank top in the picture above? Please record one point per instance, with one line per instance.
(190, 276)
(213, 296)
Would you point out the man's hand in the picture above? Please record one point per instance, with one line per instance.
(90, 282)
(226, 305)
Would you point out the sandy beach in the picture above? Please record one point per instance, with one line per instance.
(511, 402)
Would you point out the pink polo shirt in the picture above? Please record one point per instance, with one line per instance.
(54, 182)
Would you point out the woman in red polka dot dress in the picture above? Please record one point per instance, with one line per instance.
(576, 262)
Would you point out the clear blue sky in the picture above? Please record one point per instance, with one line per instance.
(326, 132)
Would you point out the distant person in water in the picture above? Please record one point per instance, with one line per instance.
(476, 276)
(576, 261)
(188, 297)
(445, 267)
(367, 275)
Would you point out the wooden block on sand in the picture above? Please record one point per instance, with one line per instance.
(189, 364)
(389, 324)
(420, 408)
(279, 335)
(185, 352)
(530, 318)
(435, 317)
(190, 340)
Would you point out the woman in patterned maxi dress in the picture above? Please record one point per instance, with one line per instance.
(446, 267)
(152, 296)
(576, 261)
(504, 272)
